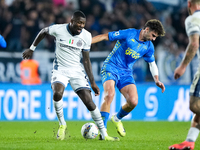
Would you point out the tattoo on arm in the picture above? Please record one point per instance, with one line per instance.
(191, 49)
(189, 55)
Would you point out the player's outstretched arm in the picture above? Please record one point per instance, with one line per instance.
(154, 72)
(191, 50)
(100, 38)
(88, 69)
(29, 52)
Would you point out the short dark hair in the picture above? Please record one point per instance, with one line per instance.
(78, 14)
(195, 1)
(155, 25)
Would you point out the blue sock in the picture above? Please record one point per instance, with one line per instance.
(122, 113)
(105, 116)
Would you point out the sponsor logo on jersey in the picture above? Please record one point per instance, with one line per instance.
(69, 47)
(133, 53)
(79, 43)
(116, 33)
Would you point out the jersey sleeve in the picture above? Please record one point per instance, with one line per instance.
(87, 45)
(192, 25)
(118, 35)
(149, 56)
(52, 29)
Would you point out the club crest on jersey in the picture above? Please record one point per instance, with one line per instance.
(71, 41)
(79, 43)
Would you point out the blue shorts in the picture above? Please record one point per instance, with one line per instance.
(121, 77)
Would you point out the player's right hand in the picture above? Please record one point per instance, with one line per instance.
(161, 85)
(27, 54)
(95, 88)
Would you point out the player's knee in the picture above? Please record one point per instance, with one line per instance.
(109, 98)
(57, 96)
(194, 108)
(90, 105)
(195, 105)
(133, 102)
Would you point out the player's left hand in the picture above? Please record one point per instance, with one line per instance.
(95, 88)
(160, 85)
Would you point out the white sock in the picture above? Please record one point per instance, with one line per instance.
(96, 116)
(116, 119)
(192, 134)
(58, 105)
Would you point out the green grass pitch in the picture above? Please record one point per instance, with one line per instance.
(140, 135)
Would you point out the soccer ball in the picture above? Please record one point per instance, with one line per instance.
(89, 131)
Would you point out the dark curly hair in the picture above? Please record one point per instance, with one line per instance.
(155, 25)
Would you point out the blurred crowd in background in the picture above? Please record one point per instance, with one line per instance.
(21, 20)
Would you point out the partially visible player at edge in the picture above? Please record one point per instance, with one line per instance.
(192, 26)
(71, 40)
(3, 43)
(117, 69)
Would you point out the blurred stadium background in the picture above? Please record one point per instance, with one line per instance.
(21, 20)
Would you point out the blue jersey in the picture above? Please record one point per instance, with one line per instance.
(128, 49)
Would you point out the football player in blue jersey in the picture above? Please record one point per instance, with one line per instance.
(131, 45)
